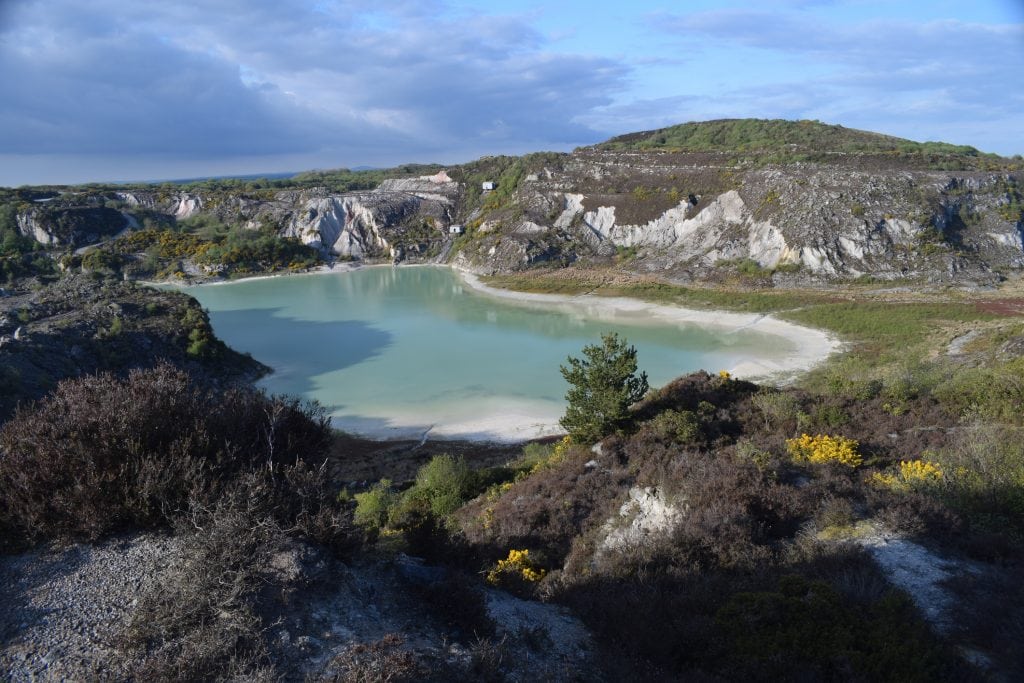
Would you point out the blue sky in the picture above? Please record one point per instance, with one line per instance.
(120, 90)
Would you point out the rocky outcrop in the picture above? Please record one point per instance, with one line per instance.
(679, 215)
(70, 226)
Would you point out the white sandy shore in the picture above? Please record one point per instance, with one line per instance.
(809, 346)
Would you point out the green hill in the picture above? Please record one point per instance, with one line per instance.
(782, 141)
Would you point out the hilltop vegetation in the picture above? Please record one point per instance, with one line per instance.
(779, 141)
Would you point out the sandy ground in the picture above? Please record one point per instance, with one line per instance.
(810, 346)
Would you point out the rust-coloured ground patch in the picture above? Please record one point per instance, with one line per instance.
(1004, 307)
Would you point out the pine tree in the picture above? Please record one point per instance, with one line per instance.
(603, 385)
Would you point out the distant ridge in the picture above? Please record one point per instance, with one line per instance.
(199, 179)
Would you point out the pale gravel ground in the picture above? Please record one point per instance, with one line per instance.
(62, 609)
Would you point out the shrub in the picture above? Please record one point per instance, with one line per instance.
(384, 660)
(984, 477)
(445, 483)
(683, 426)
(374, 507)
(202, 620)
(824, 449)
(517, 567)
(777, 407)
(603, 385)
(912, 474)
(806, 627)
(102, 453)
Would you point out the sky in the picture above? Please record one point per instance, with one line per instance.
(111, 90)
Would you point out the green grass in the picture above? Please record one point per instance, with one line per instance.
(778, 141)
(884, 323)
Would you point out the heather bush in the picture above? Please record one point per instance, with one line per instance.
(202, 620)
(804, 628)
(101, 454)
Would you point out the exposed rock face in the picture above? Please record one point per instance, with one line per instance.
(645, 514)
(678, 214)
(70, 226)
(681, 215)
(355, 224)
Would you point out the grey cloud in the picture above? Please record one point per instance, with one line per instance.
(232, 78)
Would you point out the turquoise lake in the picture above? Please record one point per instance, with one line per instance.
(395, 352)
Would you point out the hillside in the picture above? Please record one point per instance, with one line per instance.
(766, 202)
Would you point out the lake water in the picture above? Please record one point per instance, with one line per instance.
(394, 352)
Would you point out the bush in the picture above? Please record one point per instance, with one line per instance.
(777, 407)
(202, 620)
(373, 507)
(518, 569)
(824, 449)
(806, 626)
(101, 453)
(444, 484)
(683, 426)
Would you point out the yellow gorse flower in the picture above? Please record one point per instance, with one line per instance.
(822, 448)
(912, 473)
(518, 563)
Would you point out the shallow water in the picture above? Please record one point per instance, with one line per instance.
(393, 352)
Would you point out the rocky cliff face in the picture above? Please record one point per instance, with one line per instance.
(70, 225)
(682, 215)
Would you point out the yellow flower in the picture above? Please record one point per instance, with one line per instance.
(823, 448)
(517, 563)
(920, 472)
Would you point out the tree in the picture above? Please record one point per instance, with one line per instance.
(603, 385)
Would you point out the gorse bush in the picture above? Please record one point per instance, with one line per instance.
(518, 567)
(824, 449)
(912, 474)
(102, 453)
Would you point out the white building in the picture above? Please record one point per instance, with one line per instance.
(488, 185)
(455, 229)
